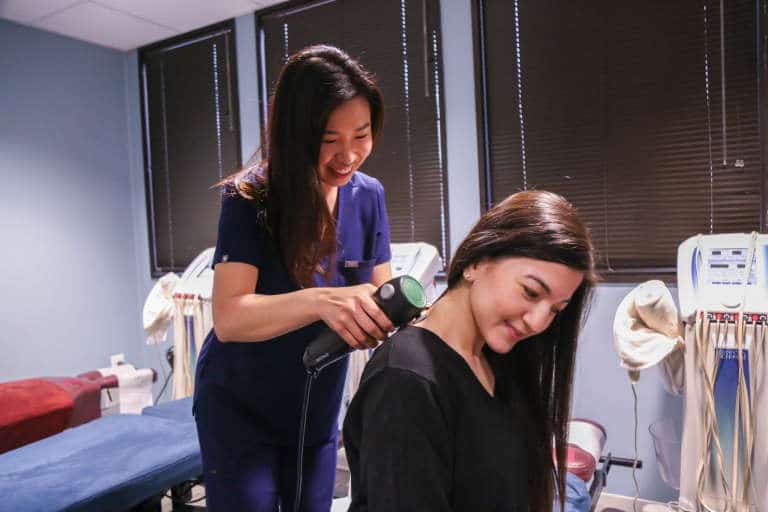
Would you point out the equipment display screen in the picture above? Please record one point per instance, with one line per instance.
(726, 267)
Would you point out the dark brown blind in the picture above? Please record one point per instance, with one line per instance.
(399, 41)
(192, 136)
(620, 109)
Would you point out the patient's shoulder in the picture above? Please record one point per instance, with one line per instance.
(412, 349)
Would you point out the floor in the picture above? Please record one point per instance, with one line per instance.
(198, 492)
(608, 503)
(615, 503)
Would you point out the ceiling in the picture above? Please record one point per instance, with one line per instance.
(125, 24)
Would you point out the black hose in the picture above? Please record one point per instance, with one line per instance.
(311, 375)
(165, 384)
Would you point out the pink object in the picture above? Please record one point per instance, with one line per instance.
(586, 440)
(580, 462)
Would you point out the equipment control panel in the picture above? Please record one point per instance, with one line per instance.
(725, 273)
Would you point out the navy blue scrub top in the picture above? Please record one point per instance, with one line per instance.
(266, 379)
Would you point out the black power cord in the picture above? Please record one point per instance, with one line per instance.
(311, 375)
(169, 359)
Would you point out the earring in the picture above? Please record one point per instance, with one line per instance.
(467, 276)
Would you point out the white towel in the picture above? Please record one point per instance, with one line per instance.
(646, 329)
(134, 387)
(158, 309)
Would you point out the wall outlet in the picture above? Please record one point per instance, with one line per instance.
(116, 359)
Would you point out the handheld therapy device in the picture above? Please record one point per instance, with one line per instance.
(401, 299)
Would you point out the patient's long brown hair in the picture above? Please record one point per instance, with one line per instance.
(312, 83)
(543, 226)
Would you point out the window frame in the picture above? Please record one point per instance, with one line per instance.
(172, 42)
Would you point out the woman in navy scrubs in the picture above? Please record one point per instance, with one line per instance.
(303, 243)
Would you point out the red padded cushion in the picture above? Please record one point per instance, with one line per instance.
(30, 410)
(86, 394)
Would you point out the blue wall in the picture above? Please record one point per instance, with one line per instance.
(74, 227)
(602, 392)
(69, 253)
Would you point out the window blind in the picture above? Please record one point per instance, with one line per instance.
(191, 140)
(645, 117)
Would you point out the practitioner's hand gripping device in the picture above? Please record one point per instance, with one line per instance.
(401, 299)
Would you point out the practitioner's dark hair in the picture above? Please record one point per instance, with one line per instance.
(311, 85)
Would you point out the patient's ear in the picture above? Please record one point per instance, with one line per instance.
(478, 267)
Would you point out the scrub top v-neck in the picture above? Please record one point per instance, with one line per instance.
(266, 379)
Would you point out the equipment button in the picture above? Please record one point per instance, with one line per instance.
(387, 291)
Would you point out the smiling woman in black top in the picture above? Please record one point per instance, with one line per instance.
(460, 411)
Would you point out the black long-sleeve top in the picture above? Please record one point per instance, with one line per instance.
(422, 434)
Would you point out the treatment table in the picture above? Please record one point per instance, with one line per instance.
(117, 462)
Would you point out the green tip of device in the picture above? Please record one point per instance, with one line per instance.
(413, 291)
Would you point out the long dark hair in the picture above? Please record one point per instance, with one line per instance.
(312, 83)
(544, 226)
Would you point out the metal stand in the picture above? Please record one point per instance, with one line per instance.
(601, 474)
